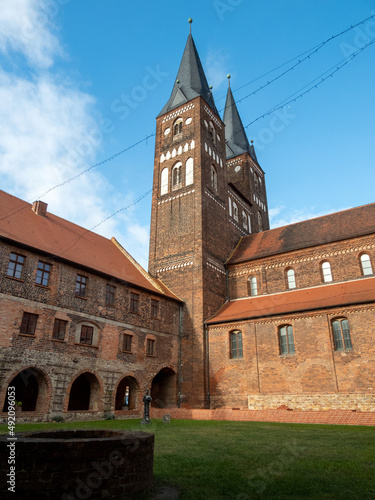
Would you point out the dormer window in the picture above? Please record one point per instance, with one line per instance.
(177, 128)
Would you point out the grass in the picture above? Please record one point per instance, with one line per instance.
(213, 460)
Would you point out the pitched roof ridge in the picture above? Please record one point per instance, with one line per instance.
(330, 214)
(144, 273)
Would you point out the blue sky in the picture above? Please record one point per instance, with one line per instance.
(83, 80)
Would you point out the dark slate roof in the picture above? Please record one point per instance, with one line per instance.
(235, 136)
(192, 81)
(352, 223)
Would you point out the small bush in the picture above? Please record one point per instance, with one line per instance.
(109, 416)
(57, 418)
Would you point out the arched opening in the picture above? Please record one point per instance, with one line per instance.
(31, 390)
(84, 393)
(177, 127)
(127, 394)
(163, 389)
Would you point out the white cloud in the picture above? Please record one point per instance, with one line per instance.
(48, 132)
(279, 216)
(26, 26)
(215, 68)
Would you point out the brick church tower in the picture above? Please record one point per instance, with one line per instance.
(200, 209)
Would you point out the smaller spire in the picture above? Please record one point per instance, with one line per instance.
(235, 135)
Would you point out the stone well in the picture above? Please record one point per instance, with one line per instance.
(71, 464)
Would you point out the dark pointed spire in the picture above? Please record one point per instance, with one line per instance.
(235, 136)
(190, 82)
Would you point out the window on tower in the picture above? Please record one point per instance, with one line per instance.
(213, 178)
(177, 128)
(260, 221)
(177, 176)
(164, 181)
(189, 171)
(235, 211)
(212, 133)
(244, 220)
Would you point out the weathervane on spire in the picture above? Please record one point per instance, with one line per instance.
(190, 21)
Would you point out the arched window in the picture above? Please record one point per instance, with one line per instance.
(212, 132)
(260, 221)
(235, 340)
(291, 279)
(189, 175)
(244, 220)
(213, 178)
(256, 181)
(164, 181)
(366, 264)
(341, 335)
(326, 272)
(235, 211)
(286, 340)
(176, 176)
(252, 287)
(230, 206)
(177, 127)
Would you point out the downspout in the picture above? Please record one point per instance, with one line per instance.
(207, 366)
(227, 282)
(179, 357)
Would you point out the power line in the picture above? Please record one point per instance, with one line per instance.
(275, 108)
(309, 53)
(109, 217)
(334, 69)
(110, 158)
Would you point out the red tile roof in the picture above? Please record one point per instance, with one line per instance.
(339, 226)
(293, 301)
(65, 240)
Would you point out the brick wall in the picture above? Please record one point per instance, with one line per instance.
(336, 417)
(344, 257)
(56, 364)
(187, 251)
(315, 367)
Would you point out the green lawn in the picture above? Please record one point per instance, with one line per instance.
(248, 460)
